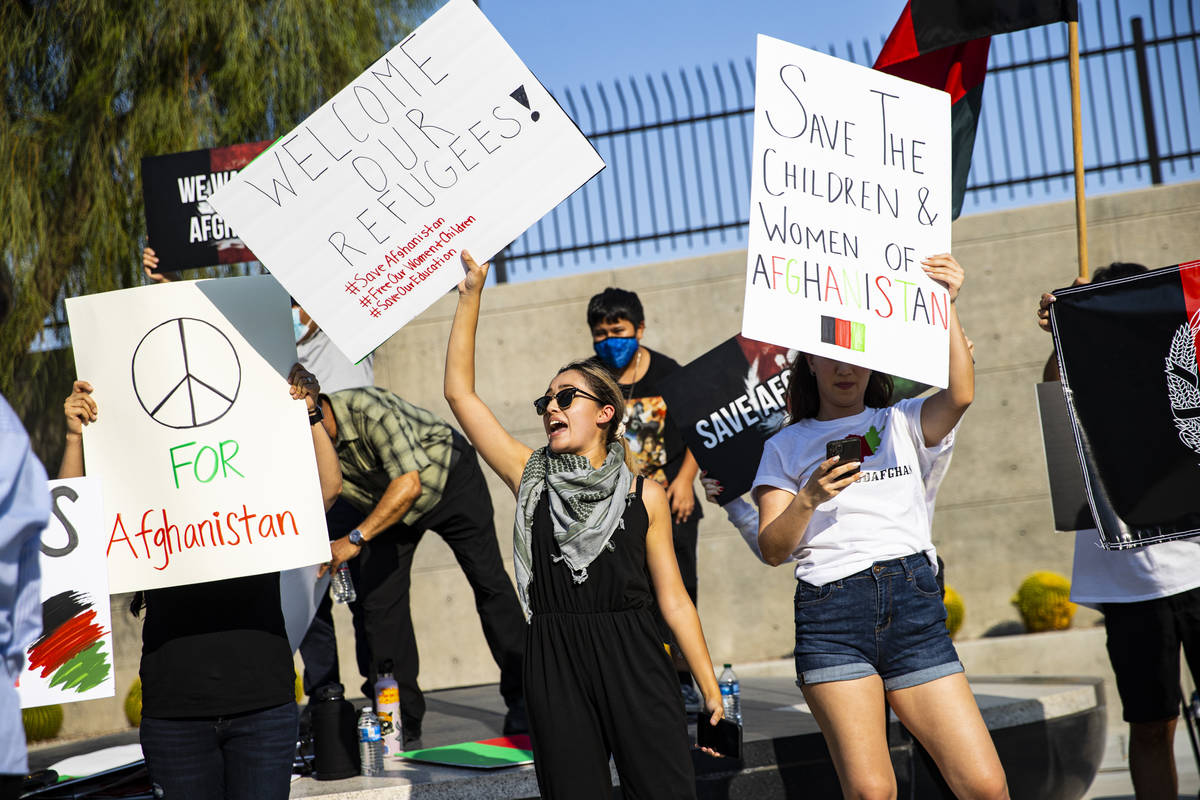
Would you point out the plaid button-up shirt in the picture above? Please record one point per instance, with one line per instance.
(381, 437)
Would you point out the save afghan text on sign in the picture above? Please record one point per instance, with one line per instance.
(726, 404)
(850, 190)
(207, 463)
(447, 143)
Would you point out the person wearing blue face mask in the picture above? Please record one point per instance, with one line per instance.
(618, 322)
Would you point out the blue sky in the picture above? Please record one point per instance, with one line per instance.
(567, 43)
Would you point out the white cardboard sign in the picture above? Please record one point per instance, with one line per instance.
(850, 190)
(447, 143)
(207, 462)
(73, 658)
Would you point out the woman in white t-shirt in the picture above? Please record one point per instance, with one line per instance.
(869, 620)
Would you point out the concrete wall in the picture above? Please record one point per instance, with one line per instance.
(993, 524)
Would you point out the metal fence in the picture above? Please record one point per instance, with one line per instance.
(678, 146)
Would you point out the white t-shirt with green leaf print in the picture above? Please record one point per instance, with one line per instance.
(885, 514)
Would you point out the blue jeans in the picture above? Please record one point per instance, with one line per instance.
(239, 757)
(886, 620)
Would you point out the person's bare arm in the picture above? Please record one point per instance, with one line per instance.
(80, 409)
(680, 494)
(942, 411)
(397, 499)
(673, 600)
(783, 516)
(499, 449)
(303, 384)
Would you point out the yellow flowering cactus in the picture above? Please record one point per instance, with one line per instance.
(955, 611)
(1044, 602)
(42, 723)
(133, 703)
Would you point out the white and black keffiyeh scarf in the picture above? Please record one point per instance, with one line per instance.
(582, 509)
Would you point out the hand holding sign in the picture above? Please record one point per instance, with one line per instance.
(476, 276)
(944, 269)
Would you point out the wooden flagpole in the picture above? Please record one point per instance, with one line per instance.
(1077, 131)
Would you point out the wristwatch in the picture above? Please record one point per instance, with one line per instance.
(356, 538)
(316, 415)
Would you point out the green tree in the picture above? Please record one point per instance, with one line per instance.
(92, 87)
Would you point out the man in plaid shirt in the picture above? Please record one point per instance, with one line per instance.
(408, 471)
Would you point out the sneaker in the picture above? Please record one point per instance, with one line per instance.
(692, 702)
(516, 720)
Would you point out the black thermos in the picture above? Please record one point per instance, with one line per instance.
(335, 735)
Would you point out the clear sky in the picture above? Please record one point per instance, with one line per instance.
(567, 42)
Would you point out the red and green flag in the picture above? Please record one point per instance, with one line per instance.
(944, 44)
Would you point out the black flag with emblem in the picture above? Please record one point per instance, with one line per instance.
(1127, 350)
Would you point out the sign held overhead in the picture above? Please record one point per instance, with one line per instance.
(850, 191)
(447, 143)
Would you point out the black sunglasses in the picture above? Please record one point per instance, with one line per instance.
(564, 398)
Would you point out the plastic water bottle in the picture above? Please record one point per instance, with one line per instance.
(343, 585)
(731, 694)
(370, 744)
(387, 706)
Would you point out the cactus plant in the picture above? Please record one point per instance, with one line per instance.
(955, 611)
(1044, 602)
(42, 723)
(133, 703)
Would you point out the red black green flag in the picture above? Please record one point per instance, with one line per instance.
(944, 44)
(1127, 351)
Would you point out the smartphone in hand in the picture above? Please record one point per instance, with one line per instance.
(725, 737)
(848, 449)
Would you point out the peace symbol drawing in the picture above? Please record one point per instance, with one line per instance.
(186, 373)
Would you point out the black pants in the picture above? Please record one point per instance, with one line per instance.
(463, 518)
(318, 649)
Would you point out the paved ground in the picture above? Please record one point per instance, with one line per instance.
(477, 712)
(1113, 781)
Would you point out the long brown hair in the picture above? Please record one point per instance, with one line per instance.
(601, 383)
(804, 402)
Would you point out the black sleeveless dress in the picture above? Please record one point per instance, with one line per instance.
(597, 679)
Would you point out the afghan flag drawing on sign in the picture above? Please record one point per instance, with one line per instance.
(944, 44)
(1127, 350)
(185, 231)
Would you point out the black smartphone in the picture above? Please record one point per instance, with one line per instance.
(848, 449)
(725, 737)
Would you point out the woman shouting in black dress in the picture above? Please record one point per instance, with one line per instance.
(592, 554)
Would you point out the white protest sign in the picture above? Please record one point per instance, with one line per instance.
(73, 658)
(207, 462)
(300, 593)
(850, 190)
(447, 143)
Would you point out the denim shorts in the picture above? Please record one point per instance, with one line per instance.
(887, 620)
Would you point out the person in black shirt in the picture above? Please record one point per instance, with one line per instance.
(593, 558)
(617, 323)
(219, 716)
